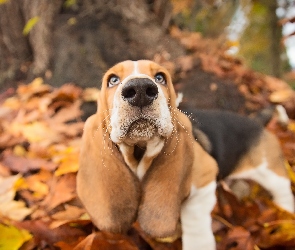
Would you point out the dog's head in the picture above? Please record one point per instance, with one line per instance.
(138, 96)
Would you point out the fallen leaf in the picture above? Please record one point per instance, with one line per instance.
(69, 161)
(39, 132)
(34, 184)
(67, 92)
(90, 94)
(70, 213)
(275, 233)
(22, 164)
(12, 102)
(15, 210)
(63, 189)
(106, 241)
(238, 238)
(281, 96)
(42, 232)
(12, 238)
(37, 86)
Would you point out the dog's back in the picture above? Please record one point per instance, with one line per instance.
(230, 136)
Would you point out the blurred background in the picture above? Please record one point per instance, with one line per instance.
(209, 42)
(56, 36)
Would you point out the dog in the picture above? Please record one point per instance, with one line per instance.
(139, 160)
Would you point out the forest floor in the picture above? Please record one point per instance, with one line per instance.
(40, 136)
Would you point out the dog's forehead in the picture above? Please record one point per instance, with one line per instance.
(141, 67)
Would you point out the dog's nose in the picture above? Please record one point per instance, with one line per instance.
(140, 92)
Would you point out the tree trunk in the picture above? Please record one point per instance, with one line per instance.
(275, 38)
(18, 49)
(77, 43)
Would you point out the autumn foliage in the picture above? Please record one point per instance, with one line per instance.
(40, 134)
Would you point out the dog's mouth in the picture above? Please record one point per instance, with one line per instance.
(142, 129)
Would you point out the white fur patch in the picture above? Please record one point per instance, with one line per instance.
(135, 70)
(278, 186)
(179, 98)
(196, 218)
(282, 115)
(127, 152)
(153, 148)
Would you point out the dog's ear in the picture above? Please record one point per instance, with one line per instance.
(167, 183)
(105, 185)
(171, 90)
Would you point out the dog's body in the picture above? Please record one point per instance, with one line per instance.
(140, 161)
(243, 148)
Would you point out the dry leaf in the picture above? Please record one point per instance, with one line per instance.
(106, 241)
(15, 210)
(22, 164)
(12, 238)
(63, 189)
(281, 96)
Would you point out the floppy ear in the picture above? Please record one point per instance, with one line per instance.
(105, 185)
(171, 91)
(167, 182)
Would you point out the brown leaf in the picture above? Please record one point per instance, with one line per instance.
(69, 113)
(35, 87)
(175, 244)
(22, 164)
(106, 241)
(62, 189)
(238, 238)
(67, 92)
(70, 213)
(42, 232)
(277, 233)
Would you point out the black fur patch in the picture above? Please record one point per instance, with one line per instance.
(231, 135)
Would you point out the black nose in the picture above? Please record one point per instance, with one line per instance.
(140, 92)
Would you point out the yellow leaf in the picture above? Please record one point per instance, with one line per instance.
(291, 126)
(12, 103)
(3, 1)
(69, 3)
(72, 21)
(280, 96)
(30, 24)
(40, 189)
(12, 238)
(281, 230)
(38, 132)
(91, 94)
(19, 150)
(37, 82)
(20, 184)
(290, 171)
(69, 161)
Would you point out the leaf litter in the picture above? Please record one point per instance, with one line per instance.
(40, 135)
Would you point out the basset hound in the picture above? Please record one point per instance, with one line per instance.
(139, 160)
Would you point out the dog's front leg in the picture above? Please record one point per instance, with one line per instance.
(196, 218)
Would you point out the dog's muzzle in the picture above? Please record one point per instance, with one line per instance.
(140, 92)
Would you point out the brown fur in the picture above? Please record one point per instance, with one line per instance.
(268, 147)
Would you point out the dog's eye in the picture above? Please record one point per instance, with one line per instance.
(159, 78)
(114, 80)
